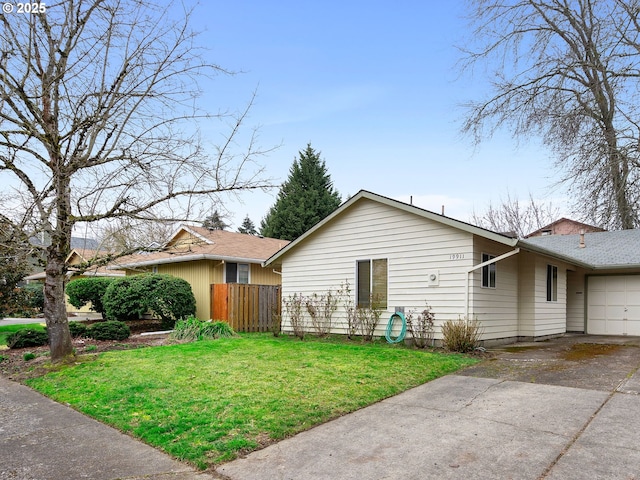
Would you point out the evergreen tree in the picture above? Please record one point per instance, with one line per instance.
(247, 227)
(214, 222)
(305, 198)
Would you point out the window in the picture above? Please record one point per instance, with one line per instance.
(371, 283)
(237, 272)
(552, 283)
(488, 271)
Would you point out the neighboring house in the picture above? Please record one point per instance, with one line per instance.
(77, 257)
(77, 243)
(204, 257)
(565, 226)
(517, 289)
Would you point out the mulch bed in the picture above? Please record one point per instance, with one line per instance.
(15, 367)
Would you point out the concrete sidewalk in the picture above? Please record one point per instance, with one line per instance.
(464, 427)
(43, 440)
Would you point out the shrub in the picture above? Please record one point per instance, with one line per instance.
(461, 335)
(28, 356)
(192, 329)
(348, 302)
(368, 319)
(77, 329)
(169, 298)
(276, 321)
(321, 309)
(421, 327)
(27, 337)
(35, 295)
(124, 299)
(293, 306)
(82, 291)
(109, 330)
(24, 302)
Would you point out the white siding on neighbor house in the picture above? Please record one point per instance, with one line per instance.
(495, 308)
(414, 247)
(576, 295)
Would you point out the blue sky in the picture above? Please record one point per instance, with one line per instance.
(373, 86)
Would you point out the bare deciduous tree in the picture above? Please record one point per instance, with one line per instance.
(568, 71)
(98, 120)
(514, 217)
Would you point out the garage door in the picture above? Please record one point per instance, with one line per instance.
(613, 305)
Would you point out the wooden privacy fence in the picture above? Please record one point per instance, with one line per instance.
(247, 308)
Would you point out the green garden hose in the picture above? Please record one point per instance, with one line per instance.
(403, 331)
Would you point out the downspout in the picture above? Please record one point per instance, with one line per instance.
(483, 264)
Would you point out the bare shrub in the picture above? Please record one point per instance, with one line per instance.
(421, 327)
(321, 309)
(368, 319)
(276, 321)
(293, 305)
(348, 302)
(462, 335)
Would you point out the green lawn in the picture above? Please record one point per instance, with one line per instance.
(205, 402)
(7, 330)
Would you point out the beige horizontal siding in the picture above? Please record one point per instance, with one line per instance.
(412, 245)
(495, 308)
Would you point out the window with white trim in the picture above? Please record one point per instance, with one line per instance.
(371, 281)
(488, 272)
(552, 283)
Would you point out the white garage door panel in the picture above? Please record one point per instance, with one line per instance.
(613, 305)
(597, 326)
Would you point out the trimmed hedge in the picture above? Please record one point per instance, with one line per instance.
(82, 291)
(168, 298)
(27, 337)
(77, 329)
(109, 330)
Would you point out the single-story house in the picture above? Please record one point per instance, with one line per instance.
(517, 289)
(205, 257)
(77, 257)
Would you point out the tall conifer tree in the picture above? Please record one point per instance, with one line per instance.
(305, 198)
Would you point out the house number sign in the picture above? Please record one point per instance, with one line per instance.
(456, 256)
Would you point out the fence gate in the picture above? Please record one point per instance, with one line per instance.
(247, 308)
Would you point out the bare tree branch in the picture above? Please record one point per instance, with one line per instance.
(99, 120)
(568, 71)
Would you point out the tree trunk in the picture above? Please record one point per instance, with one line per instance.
(55, 309)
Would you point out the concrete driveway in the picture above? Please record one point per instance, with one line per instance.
(482, 424)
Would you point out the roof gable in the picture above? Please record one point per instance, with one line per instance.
(192, 243)
(426, 214)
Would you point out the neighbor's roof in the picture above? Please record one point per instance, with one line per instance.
(84, 255)
(204, 244)
(616, 249)
(564, 220)
(364, 194)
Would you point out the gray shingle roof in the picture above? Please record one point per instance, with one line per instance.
(618, 249)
